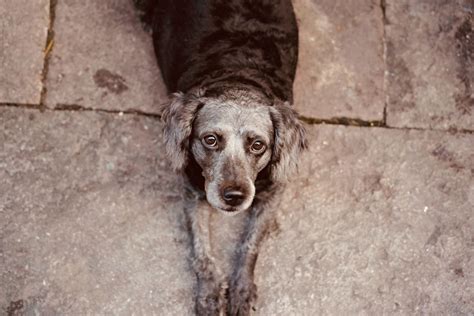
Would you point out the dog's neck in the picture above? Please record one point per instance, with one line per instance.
(193, 173)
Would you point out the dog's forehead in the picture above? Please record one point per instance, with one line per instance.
(233, 116)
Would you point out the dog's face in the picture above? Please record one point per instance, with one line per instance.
(232, 141)
(232, 144)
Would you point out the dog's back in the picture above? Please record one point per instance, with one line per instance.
(208, 42)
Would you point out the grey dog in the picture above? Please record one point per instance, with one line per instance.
(229, 128)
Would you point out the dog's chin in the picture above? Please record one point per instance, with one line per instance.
(230, 210)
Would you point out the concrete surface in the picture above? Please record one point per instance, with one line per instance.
(102, 58)
(341, 65)
(379, 220)
(88, 221)
(91, 221)
(430, 52)
(23, 31)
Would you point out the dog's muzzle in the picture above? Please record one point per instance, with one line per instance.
(233, 196)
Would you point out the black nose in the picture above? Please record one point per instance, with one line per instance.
(233, 196)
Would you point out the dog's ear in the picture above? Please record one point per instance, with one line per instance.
(178, 116)
(289, 141)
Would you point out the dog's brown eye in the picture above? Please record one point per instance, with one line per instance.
(210, 140)
(258, 146)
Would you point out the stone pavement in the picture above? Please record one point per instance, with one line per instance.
(378, 221)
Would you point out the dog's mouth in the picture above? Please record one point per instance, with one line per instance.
(232, 211)
(229, 209)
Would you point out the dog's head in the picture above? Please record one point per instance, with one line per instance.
(232, 140)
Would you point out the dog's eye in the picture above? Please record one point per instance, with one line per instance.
(258, 147)
(210, 141)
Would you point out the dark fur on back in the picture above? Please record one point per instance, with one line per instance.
(214, 43)
(229, 66)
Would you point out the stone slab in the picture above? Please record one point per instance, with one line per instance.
(88, 217)
(102, 58)
(430, 49)
(379, 222)
(341, 59)
(23, 31)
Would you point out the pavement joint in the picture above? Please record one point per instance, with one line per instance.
(383, 7)
(21, 105)
(80, 108)
(341, 121)
(47, 51)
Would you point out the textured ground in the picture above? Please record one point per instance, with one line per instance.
(380, 219)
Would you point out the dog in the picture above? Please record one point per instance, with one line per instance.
(229, 129)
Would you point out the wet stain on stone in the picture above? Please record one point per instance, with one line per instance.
(110, 81)
(401, 84)
(444, 187)
(465, 51)
(433, 239)
(274, 228)
(444, 155)
(446, 25)
(15, 308)
(397, 306)
(373, 183)
(459, 272)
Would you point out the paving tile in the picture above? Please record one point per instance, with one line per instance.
(23, 31)
(379, 222)
(337, 76)
(341, 67)
(89, 222)
(430, 49)
(102, 58)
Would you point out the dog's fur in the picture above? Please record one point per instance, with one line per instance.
(229, 129)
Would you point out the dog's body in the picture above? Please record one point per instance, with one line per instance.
(228, 127)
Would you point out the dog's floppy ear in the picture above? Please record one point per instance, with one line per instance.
(178, 116)
(289, 141)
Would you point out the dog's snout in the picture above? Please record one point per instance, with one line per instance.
(233, 196)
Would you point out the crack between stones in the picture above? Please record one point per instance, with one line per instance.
(21, 105)
(346, 121)
(383, 8)
(338, 121)
(47, 51)
(80, 108)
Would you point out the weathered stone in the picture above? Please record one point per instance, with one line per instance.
(23, 31)
(430, 52)
(103, 58)
(341, 67)
(89, 217)
(379, 222)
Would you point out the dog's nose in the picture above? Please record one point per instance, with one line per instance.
(233, 196)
